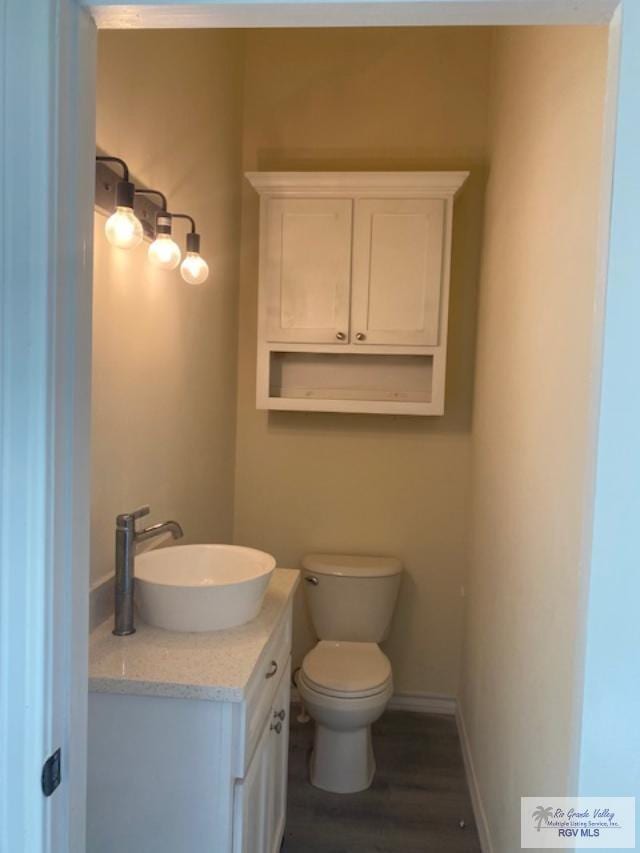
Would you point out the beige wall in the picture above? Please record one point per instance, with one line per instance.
(376, 99)
(164, 353)
(531, 417)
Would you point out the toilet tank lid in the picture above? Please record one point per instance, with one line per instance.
(352, 566)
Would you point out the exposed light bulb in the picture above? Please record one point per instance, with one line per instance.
(123, 228)
(164, 253)
(194, 269)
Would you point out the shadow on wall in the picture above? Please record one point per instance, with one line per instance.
(465, 267)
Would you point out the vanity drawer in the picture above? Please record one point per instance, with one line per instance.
(262, 688)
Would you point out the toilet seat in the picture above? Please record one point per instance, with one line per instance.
(347, 670)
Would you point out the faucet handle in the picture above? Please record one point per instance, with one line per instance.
(127, 517)
(141, 511)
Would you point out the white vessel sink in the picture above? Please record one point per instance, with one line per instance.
(201, 587)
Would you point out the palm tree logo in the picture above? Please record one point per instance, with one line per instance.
(542, 814)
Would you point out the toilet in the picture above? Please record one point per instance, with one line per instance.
(346, 680)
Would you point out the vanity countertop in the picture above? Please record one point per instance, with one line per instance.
(214, 665)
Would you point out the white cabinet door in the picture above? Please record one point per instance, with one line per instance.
(260, 801)
(397, 271)
(252, 807)
(280, 759)
(307, 264)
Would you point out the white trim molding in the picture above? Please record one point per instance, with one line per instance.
(424, 703)
(46, 182)
(364, 184)
(482, 824)
(169, 14)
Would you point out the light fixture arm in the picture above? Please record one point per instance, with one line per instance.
(101, 158)
(189, 219)
(125, 190)
(193, 238)
(157, 193)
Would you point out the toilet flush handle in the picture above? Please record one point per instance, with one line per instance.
(273, 668)
(312, 579)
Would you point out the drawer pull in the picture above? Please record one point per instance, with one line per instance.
(272, 669)
(277, 728)
(279, 715)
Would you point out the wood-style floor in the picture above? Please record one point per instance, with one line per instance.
(417, 801)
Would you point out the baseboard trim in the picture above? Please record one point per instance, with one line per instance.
(422, 703)
(482, 824)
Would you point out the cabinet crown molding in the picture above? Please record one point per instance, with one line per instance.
(432, 184)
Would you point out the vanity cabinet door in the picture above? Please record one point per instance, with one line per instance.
(260, 802)
(280, 759)
(252, 806)
(397, 271)
(306, 260)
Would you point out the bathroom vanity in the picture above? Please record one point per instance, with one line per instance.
(188, 735)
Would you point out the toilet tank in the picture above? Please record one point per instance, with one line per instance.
(351, 598)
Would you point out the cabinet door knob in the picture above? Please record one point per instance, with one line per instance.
(340, 336)
(312, 579)
(279, 715)
(360, 336)
(272, 669)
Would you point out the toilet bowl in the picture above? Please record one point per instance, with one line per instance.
(346, 680)
(345, 688)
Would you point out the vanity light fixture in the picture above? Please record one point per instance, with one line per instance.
(123, 228)
(194, 269)
(133, 218)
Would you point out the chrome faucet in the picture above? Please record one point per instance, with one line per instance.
(127, 537)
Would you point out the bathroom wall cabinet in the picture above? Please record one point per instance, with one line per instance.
(169, 774)
(354, 290)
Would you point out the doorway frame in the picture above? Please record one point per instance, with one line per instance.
(46, 179)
